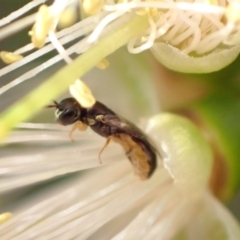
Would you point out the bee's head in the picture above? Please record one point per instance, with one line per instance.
(67, 112)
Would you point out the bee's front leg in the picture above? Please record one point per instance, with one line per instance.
(77, 125)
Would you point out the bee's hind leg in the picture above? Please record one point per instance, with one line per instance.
(104, 147)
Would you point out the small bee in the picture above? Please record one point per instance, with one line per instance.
(102, 120)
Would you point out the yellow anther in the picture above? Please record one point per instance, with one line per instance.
(42, 26)
(10, 57)
(212, 2)
(5, 217)
(103, 64)
(233, 11)
(68, 17)
(80, 91)
(91, 7)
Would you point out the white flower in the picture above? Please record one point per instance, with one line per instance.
(110, 202)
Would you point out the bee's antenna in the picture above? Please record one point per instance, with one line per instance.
(55, 105)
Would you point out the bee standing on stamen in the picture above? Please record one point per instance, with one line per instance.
(102, 120)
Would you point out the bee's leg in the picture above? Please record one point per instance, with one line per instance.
(105, 145)
(77, 125)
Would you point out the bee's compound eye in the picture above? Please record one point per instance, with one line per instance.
(68, 111)
(68, 116)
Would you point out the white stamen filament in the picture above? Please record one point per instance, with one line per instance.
(17, 26)
(193, 27)
(59, 47)
(156, 208)
(149, 41)
(109, 18)
(66, 36)
(20, 12)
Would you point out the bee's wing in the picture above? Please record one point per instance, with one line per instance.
(130, 129)
(123, 126)
(148, 159)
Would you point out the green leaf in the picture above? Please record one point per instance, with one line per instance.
(220, 114)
